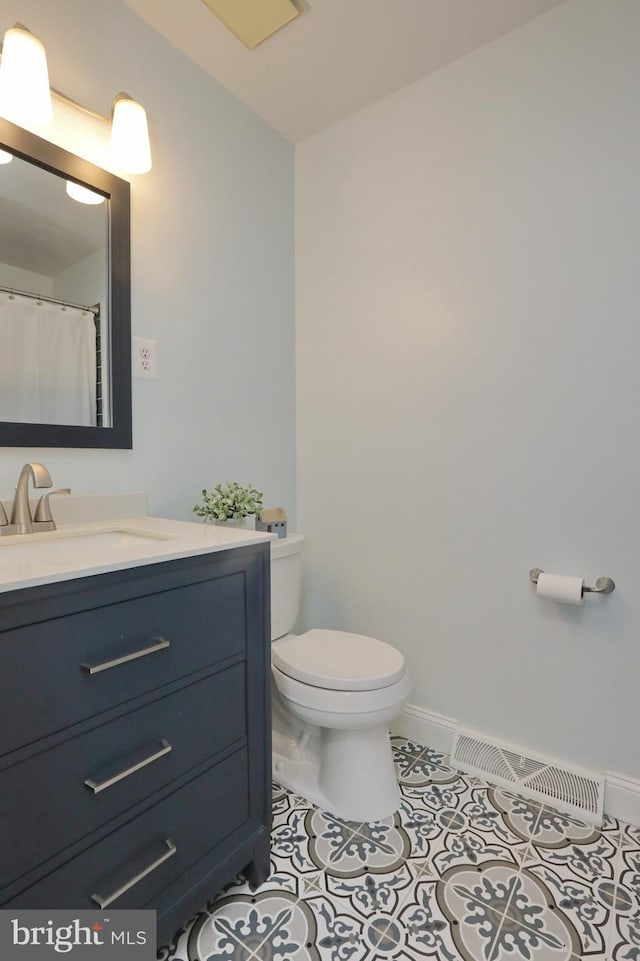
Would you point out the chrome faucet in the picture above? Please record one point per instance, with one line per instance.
(22, 521)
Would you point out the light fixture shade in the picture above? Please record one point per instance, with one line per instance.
(5, 158)
(25, 97)
(82, 194)
(129, 148)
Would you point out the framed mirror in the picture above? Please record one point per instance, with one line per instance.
(65, 298)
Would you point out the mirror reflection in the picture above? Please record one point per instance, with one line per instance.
(53, 298)
(65, 298)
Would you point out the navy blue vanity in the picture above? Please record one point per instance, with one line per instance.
(135, 755)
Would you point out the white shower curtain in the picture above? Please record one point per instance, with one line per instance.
(47, 363)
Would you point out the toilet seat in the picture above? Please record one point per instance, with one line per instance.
(331, 704)
(338, 661)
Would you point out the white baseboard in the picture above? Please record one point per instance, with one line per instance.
(426, 727)
(621, 793)
(622, 797)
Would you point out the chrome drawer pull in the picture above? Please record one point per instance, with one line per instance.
(105, 902)
(160, 645)
(96, 788)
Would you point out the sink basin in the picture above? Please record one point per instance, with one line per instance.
(53, 543)
(89, 547)
(34, 554)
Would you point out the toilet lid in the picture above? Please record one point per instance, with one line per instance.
(338, 661)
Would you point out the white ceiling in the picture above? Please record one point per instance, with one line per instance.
(41, 229)
(340, 55)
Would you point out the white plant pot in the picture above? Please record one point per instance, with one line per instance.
(246, 523)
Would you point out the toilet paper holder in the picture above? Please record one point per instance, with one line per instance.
(604, 585)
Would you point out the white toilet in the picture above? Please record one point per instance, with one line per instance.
(334, 695)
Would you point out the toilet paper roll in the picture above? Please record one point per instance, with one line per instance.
(560, 588)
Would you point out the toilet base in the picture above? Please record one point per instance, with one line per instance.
(349, 773)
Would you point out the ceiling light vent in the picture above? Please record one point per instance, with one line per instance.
(253, 21)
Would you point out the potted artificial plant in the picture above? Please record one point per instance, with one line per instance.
(230, 504)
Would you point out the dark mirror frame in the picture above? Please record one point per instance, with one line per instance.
(48, 156)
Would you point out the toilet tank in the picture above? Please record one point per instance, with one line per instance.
(286, 583)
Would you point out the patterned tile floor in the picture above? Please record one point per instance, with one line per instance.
(462, 871)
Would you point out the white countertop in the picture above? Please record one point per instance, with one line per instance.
(84, 549)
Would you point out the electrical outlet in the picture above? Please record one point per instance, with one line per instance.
(145, 358)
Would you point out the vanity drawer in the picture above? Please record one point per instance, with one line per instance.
(156, 847)
(61, 671)
(125, 761)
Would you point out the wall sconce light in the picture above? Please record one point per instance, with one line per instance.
(25, 99)
(129, 148)
(82, 194)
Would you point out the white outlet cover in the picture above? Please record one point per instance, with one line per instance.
(144, 358)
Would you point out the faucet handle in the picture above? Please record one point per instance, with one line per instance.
(43, 517)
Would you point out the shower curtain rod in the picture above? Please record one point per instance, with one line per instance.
(49, 300)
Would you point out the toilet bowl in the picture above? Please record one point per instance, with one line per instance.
(334, 695)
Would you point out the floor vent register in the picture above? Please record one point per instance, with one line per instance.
(569, 789)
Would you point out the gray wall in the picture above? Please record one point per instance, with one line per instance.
(468, 342)
(212, 269)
